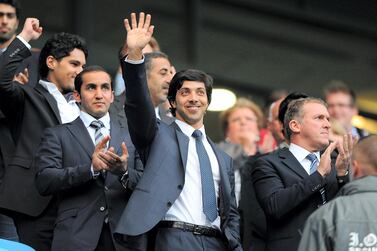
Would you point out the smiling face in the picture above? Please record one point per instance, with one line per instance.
(311, 131)
(8, 22)
(191, 103)
(96, 94)
(63, 72)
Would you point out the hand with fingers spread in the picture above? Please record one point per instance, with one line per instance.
(139, 34)
(324, 167)
(31, 30)
(98, 162)
(343, 161)
(22, 77)
(116, 164)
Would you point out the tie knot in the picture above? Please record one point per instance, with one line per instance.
(312, 157)
(96, 124)
(197, 134)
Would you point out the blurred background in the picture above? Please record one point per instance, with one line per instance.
(251, 47)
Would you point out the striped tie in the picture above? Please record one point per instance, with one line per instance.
(313, 167)
(97, 125)
(208, 188)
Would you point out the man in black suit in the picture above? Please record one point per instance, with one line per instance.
(292, 182)
(29, 111)
(92, 182)
(187, 190)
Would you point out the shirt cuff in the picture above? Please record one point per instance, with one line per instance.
(26, 43)
(94, 173)
(134, 61)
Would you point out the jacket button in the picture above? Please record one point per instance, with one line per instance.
(102, 209)
(180, 187)
(169, 204)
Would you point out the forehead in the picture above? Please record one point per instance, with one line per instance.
(96, 77)
(239, 111)
(7, 8)
(159, 63)
(338, 97)
(315, 108)
(188, 84)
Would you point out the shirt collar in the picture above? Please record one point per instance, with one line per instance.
(300, 153)
(87, 119)
(187, 129)
(49, 86)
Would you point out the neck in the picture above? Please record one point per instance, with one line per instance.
(5, 44)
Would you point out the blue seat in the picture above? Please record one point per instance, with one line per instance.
(6, 245)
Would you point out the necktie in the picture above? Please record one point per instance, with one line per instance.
(97, 125)
(208, 188)
(314, 162)
(98, 136)
(313, 167)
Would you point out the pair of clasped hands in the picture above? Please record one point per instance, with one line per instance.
(343, 160)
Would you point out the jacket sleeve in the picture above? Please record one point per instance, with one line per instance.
(52, 176)
(11, 93)
(234, 216)
(317, 235)
(141, 117)
(274, 196)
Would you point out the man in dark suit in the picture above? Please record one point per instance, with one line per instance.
(187, 189)
(159, 75)
(291, 183)
(29, 111)
(72, 167)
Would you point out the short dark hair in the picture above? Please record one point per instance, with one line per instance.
(15, 4)
(91, 68)
(294, 112)
(284, 104)
(59, 46)
(337, 86)
(148, 57)
(189, 75)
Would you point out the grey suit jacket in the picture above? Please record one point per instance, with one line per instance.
(163, 149)
(64, 162)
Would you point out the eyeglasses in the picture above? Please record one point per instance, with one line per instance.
(9, 15)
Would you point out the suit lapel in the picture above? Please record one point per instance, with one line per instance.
(116, 129)
(50, 100)
(291, 162)
(183, 143)
(225, 189)
(81, 134)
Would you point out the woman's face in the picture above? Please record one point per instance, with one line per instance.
(242, 125)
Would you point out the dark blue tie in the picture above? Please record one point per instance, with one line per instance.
(313, 167)
(208, 188)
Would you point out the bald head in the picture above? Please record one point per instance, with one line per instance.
(274, 125)
(364, 157)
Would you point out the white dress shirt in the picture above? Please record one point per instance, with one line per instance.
(300, 154)
(189, 206)
(68, 111)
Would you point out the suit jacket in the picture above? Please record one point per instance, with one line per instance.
(163, 149)
(288, 195)
(64, 160)
(29, 111)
